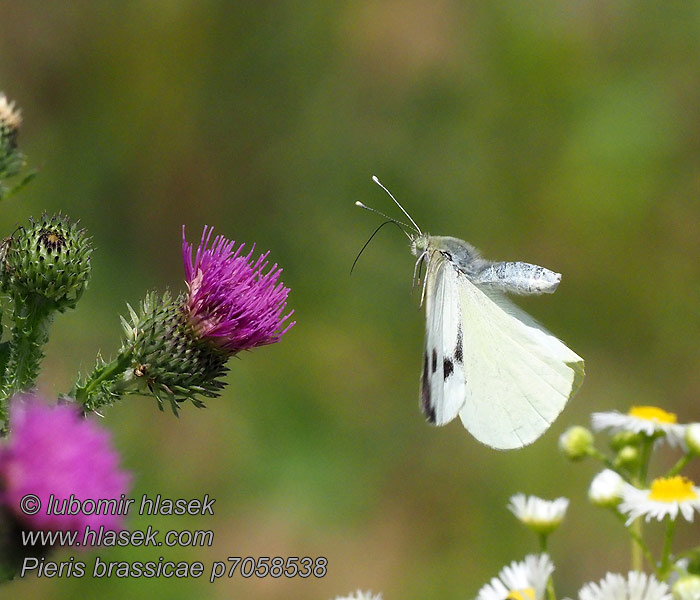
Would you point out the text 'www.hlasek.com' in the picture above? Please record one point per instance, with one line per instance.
(232, 566)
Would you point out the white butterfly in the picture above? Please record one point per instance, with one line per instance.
(485, 359)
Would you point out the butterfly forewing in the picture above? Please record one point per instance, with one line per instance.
(442, 379)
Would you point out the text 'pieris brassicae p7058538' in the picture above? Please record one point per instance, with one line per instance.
(485, 359)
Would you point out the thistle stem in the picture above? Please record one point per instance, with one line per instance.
(32, 317)
(91, 393)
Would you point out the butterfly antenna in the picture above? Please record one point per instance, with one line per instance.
(399, 224)
(403, 210)
(376, 231)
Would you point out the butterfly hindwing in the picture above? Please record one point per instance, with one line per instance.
(442, 379)
(519, 375)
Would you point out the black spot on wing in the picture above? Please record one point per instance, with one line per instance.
(425, 403)
(434, 360)
(459, 352)
(448, 368)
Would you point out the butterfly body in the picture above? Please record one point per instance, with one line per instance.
(510, 277)
(485, 359)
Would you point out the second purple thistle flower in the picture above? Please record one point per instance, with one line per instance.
(231, 300)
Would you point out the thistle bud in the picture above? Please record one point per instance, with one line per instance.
(176, 348)
(49, 259)
(169, 360)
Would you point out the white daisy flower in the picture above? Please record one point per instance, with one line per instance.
(606, 488)
(692, 437)
(667, 496)
(542, 516)
(360, 595)
(648, 420)
(687, 588)
(637, 586)
(526, 580)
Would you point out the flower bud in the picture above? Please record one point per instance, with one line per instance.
(49, 259)
(687, 588)
(576, 442)
(169, 360)
(692, 437)
(627, 456)
(624, 438)
(606, 489)
(11, 160)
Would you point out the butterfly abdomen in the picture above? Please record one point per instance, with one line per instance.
(518, 278)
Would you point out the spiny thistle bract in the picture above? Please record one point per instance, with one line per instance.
(49, 259)
(168, 359)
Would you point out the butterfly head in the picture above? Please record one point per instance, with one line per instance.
(419, 243)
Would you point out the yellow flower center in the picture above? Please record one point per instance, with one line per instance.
(652, 413)
(672, 489)
(524, 594)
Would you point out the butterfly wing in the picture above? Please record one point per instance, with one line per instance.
(518, 375)
(442, 379)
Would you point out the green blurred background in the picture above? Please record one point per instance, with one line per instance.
(564, 134)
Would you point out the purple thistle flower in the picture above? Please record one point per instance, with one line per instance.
(54, 450)
(230, 299)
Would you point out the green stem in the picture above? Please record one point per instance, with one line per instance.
(647, 445)
(542, 538)
(595, 453)
(680, 465)
(691, 553)
(551, 595)
(635, 530)
(90, 393)
(32, 317)
(666, 555)
(639, 547)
